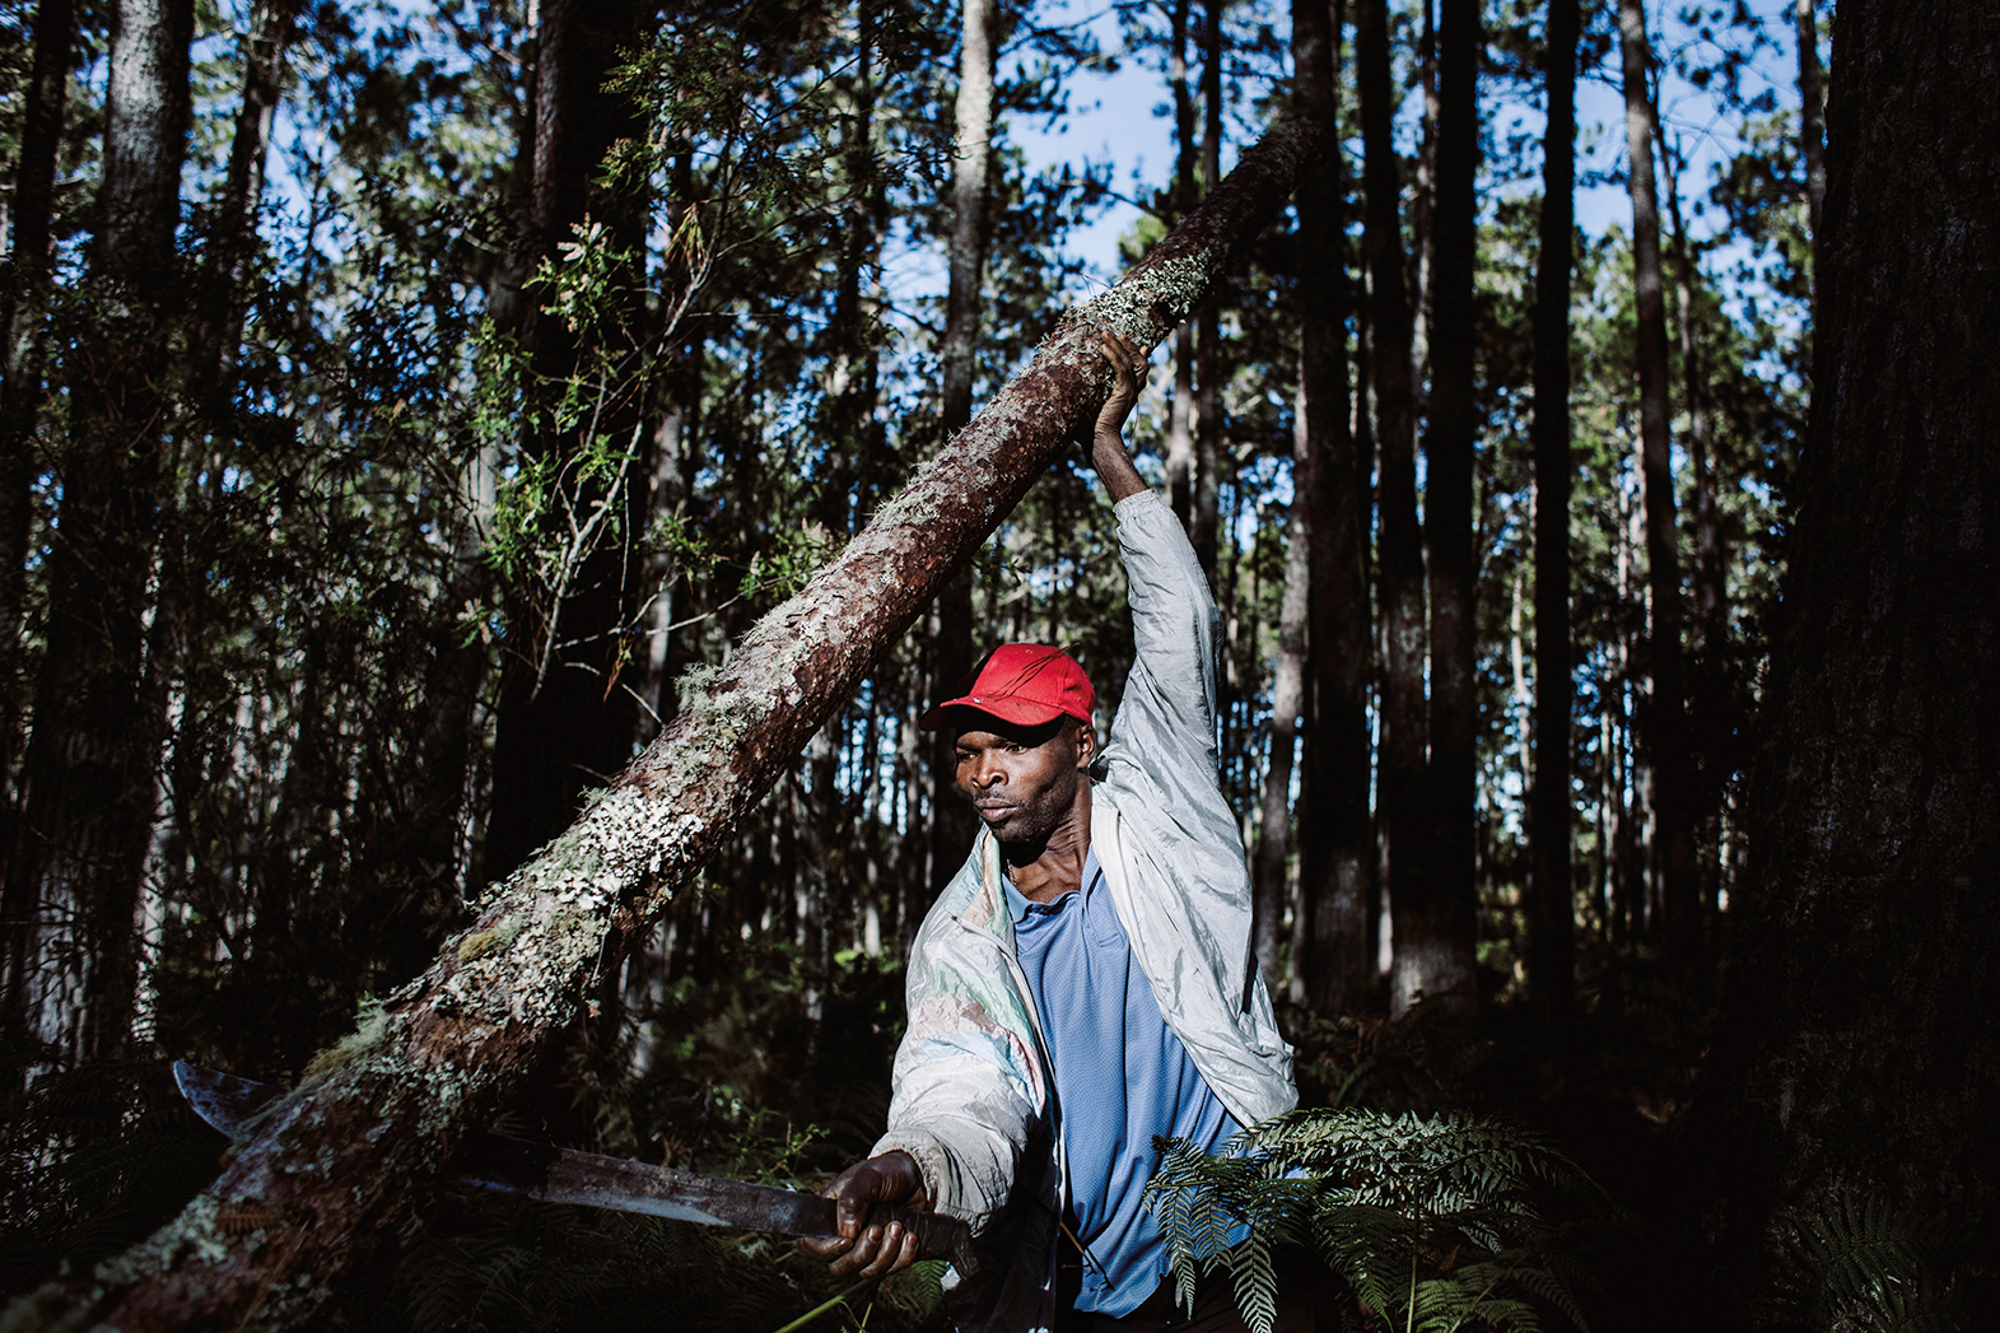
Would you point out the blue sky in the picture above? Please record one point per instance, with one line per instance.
(1113, 116)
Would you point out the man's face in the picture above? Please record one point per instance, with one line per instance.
(1022, 780)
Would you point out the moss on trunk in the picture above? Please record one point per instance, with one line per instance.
(351, 1152)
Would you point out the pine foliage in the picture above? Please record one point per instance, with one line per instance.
(1442, 1223)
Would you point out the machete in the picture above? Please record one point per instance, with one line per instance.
(561, 1175)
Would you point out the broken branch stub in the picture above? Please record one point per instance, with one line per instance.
(342, 1161)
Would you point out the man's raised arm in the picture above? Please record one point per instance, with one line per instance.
(1169, 704)
(1107, 446)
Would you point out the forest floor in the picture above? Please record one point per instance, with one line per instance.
(739, 1081)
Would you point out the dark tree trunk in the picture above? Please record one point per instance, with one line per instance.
(1812, 127)
(1208, 450)
(1424, 959)
(87, 783)
(1423, 199)
(1311, 66)
(564, 726)
(1180, 412)
(670, 470)
(1336, 844)
(1665, 719)
(1448, 915)
(952, 822)
(1552, 917)
(232, 223)
(1712, 749)
(23, 307)
(1705, 627)
(1287, 699)
(1861, 1019)
(348, 1154)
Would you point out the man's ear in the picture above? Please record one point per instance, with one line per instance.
(1086, 745)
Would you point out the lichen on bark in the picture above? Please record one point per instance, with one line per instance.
(350, 1152)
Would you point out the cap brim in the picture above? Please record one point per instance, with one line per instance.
(1014, 712)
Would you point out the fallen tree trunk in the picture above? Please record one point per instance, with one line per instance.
(344, 1159)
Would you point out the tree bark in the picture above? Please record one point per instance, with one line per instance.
(952, 822)
(87, 783)
(1665, 731)
(1336, 844)
(1423, 963)
(21, 393)
(1204, 512)
(1812, 127)
(563, 726)
(1180, 412)
(1704, 628)
(1448, 914)
(232, 223)
(1861, 1017)
(1423, 200)
(1552, 918)
(346, 1156)
(1287, 700)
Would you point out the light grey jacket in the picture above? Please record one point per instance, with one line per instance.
(974, 1102)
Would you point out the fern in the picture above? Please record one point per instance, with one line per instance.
(1859, 1263)
(1432, 1224)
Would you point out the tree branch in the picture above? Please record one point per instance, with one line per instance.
(347, 1156)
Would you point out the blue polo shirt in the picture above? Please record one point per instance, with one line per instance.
(1121, 1078)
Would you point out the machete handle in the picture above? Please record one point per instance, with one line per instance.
(939, 1236)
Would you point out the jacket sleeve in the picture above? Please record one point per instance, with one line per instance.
(1160, 765)
(1165, 727)
(969, 1096)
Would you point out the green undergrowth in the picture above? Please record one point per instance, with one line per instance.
(1422, 1223)
(750, 1066)
(1443, 1172)
(95, 1160)
(478, 1265)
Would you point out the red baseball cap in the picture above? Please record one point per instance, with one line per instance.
(1026, 684)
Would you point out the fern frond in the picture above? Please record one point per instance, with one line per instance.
(1440, 1218)
(1255, 1282)
(1862, 1263)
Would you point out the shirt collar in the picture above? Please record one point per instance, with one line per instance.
(1018, 903)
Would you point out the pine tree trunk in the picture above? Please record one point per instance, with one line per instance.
(563, 725)
(1704, 628)
(346, 1156)
(232, 223)
(1336, 846)
(952, 822)
(1423, 201)
(21, 394)
(1860, 1030)
(670, 470)
(1711, 731)
(1812, 126)
(1287, 701)
(1665, 729)
(1448, 915)
(1180, 412)
(1206, 507)
(1552, 928)
(86, 795)
(1420, 954)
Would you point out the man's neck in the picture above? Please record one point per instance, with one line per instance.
(1045, 873)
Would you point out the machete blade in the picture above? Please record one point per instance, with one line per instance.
(223, 1100)
(562, 1175)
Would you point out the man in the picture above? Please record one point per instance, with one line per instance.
(1085, 982)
